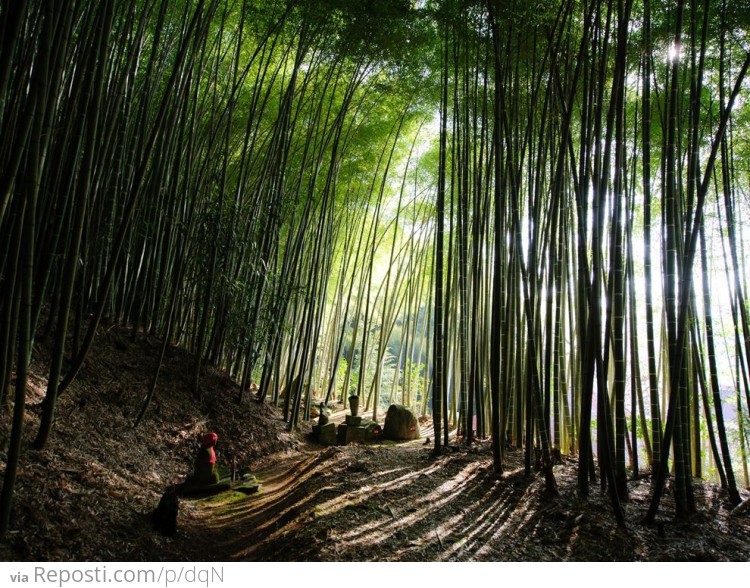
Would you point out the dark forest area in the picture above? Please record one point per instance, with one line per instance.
(520, 224)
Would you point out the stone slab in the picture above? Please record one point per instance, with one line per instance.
(341, 434)
(355, 434)
(327, 434)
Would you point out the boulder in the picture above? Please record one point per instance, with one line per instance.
(401, 424)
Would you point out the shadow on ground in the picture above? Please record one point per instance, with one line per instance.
(400, 503)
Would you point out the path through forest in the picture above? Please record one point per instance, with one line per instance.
(89, 494)
(399, 503)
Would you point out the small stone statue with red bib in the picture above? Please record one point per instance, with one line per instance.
(205, 471)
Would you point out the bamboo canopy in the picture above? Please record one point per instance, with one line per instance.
(522, 219)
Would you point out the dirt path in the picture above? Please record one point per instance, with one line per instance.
(357, 503)
(399, 503)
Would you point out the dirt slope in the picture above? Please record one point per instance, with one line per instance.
(87, 496)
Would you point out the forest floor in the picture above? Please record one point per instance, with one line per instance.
(88, 495)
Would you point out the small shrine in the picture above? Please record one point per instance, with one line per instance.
(354, 429)
(324, 432)
(208, 477)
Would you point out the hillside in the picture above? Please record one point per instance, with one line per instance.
(88, 495)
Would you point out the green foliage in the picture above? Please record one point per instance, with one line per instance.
(341, 373)
(378, 30)
(245, 169)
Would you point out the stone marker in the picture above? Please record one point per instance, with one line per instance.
(353, 420)
(325, 434)
(204, 471)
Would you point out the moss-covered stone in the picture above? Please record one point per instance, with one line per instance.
(193, 488)
(401, 424)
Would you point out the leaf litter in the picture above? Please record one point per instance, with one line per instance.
(88, 495)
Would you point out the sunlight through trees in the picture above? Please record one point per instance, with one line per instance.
(523, 220)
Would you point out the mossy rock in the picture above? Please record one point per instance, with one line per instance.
(222, 482)
(248, 488)
(191, 488)
(401, 424)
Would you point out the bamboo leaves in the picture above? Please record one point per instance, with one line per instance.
(483, 208)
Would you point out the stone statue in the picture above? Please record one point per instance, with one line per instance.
(205, 471)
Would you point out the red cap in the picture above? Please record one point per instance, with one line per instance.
(209, 440)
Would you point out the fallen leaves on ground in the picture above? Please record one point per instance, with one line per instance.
(88, 495)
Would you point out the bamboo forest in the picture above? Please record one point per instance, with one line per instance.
(374, 280)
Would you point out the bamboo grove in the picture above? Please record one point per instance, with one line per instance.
(522, 218)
